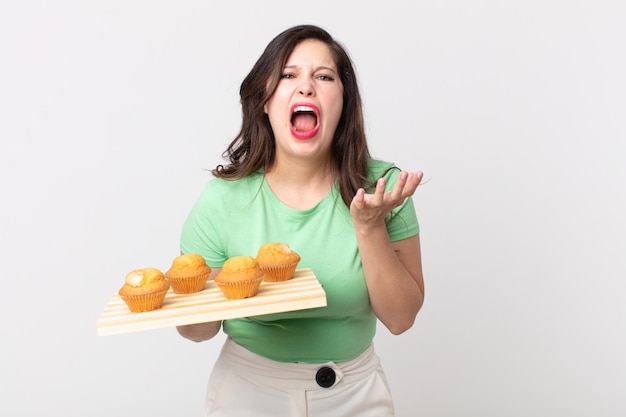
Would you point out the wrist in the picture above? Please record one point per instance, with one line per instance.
(371, 230)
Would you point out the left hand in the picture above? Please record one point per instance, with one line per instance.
(371, 209)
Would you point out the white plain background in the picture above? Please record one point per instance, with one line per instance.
(111, 110)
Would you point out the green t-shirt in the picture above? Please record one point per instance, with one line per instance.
(235, 217)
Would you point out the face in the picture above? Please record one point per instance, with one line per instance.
(306, 106)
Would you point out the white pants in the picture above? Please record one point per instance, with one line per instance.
(244, 384)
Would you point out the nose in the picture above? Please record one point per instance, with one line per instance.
(305, 88)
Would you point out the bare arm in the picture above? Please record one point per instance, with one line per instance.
(393, 270)
(201, 331)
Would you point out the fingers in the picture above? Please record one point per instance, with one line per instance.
(413, 180)
(359, 199)
(379, 193)
(397, 192)
(405, 185)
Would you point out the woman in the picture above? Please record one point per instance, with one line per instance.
(298, 173)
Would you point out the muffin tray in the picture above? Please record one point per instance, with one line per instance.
(301, 292)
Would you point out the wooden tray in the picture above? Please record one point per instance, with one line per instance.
(301, 292)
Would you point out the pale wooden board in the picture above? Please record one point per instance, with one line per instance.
(301, 292)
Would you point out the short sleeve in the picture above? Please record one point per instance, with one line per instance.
(402, 222)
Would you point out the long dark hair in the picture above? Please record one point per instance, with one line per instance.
(253, 148)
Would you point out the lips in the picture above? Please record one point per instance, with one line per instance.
(304, 120)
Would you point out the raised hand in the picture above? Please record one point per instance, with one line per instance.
(370, 209)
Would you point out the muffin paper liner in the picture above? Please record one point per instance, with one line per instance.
(187, 285)
(279, 273)
(144, 302)
(241, 289)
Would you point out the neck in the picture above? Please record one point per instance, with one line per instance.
(302, 173)
(300, 185)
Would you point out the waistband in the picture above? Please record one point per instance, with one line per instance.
(297, 376)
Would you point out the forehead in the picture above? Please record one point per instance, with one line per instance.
(312, 52)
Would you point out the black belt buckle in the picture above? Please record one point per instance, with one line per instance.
(325, 377)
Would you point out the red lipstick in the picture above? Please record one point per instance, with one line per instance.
(304, 120)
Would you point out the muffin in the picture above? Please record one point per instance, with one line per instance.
(278, 261)
(188, 273)
(144, 289)
(240, 277)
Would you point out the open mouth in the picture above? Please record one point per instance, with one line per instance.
(304, 121)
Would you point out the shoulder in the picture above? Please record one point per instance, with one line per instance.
(230, 193)
(218, 186)
(377, 168)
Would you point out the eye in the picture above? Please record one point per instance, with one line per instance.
(287, 75)
(325, 78)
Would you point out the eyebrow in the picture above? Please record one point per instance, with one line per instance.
(321, 67)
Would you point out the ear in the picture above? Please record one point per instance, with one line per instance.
(265, 108)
